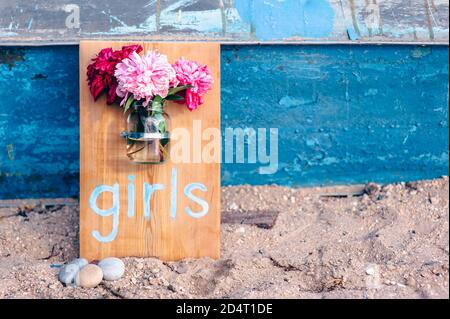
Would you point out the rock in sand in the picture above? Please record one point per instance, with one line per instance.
(113, 268)
(89, 276)
(69, 271)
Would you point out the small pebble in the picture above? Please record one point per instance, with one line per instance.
(181, 269)
(80, 262)
(172, 288)
(155, 270)
(370, 270)
(411, 282)
(113, 268)
(67, 273)
(89, 276)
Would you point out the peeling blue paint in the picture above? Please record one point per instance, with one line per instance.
(226, 20)
(283, 19)
(346, 114)
(352, 34)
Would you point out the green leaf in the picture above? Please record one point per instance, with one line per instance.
(160, 122)
(162, 127)
(174, 91)
(128, 103)
(157, 99)
(157, 106)
(174, 98)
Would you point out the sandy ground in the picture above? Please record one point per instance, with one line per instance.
(392, 242)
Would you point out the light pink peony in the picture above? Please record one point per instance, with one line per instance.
(197, 75)
(145, 77)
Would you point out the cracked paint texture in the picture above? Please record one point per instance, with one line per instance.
(46, 21)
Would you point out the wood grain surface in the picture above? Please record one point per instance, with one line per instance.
(103, 161)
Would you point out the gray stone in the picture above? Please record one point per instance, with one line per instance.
(80, 262)
(67, 273)
(113, 268)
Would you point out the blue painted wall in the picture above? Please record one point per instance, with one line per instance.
(346, 114)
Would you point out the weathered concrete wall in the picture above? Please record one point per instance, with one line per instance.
(68, 21)
(346, 114)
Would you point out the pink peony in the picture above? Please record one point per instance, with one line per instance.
(145, 77)
(197, 75)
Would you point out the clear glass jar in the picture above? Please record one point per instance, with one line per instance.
(148, 133)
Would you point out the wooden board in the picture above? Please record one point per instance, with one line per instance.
(103, 161)
(236, 21)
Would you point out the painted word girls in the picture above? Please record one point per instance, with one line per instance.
(148, 191)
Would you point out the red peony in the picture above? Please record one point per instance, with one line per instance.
(100, 73)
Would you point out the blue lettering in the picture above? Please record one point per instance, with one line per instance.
(114, 210)
(148, 192)
(188, 192)
(173, 194)
(131, 196)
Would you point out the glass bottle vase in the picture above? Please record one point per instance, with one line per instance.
(148, 134)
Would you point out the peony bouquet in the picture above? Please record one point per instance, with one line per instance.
(142, 84)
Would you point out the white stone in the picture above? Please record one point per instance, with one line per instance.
(113, 268)
(371, 270)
